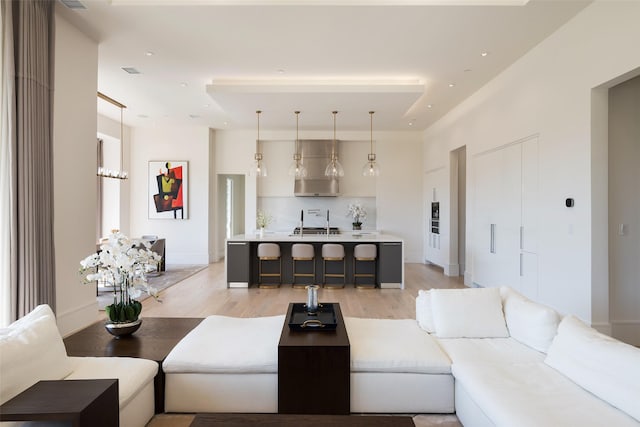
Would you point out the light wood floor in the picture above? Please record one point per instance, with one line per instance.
(206, 293)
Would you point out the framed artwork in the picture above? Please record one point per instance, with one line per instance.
(168, 189)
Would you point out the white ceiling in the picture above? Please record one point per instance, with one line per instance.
(215, 62)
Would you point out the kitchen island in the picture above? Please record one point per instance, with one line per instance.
(241, 259)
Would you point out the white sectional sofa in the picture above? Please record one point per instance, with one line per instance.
(490, 355)
(517, 363)
(31, 349)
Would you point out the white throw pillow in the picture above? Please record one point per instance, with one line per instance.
(606, 367)
(31, 349)
(423, 311)
(530, 323)
(468, 313)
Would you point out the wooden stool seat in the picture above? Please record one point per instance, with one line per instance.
(269, 252)
(303, 252)
(333, 252)
(364, 253)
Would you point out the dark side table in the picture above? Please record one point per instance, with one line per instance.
(314, 369)
(154, 340)
(80, 402)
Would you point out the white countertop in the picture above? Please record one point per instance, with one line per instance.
(345, 236)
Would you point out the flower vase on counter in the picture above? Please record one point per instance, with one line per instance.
(358, 213)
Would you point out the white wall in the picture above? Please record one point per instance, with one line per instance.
(187, 240)
(74, 168)
(549, 91)
(397, 190)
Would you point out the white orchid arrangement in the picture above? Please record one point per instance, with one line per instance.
(357, 212)
(123, 264)
(263, 219)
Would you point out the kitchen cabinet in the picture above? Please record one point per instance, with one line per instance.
(390, 265)
(435, 182)
(238, 263)
(504, 237)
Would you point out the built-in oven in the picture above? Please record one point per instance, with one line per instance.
(435, 217)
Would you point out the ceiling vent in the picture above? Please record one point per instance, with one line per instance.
(131, 70)
(73, 4)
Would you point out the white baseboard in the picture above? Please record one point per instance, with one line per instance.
(452, 270)
(627, 331)
(77, 318)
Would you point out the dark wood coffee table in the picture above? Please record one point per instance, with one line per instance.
(286, 420)
(79, 402)
(154, 340)
(314, 369)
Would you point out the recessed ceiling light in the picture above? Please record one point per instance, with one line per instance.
(194, 116)
(143, 116)
(225, 123)
(467, 70)
(429, 105)
(484, 54)
(207, 105)
(183, 84)
(411, 123)
(452, 84)
(280, 71)
(148, 53)
(131, 70)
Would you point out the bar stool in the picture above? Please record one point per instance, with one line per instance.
(333, 252)
(303, 252)
(269, 252)
(364, 253)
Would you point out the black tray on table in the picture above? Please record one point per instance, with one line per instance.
(324, 319)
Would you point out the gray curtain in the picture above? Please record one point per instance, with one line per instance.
(33, 37)
(8, 281)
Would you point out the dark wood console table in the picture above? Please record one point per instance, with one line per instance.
(314, 369)
(154, 340)
(79, 402)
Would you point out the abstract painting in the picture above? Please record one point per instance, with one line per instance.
(168, 189)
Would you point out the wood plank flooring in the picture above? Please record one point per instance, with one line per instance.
(206, 293)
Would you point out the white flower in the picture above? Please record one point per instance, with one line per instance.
(121, 263)
(263, 219)
(357, 212)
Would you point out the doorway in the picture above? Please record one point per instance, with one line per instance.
(231, 193)
(458, 211)
(624, 210)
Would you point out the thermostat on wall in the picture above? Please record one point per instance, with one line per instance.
(569, 202)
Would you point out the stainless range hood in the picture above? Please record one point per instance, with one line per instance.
(316, 154)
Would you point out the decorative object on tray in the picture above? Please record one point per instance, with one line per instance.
(312, 299)
(358, 213)
(324, 318)
(122, 263)
(263, 219)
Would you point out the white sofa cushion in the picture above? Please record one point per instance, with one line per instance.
(228, 345)
(423, 311)
(468, 313)
(394, 345)
(31, 349)
(530, 323)
(533, 395)
(489, 350)
(132, 374)
(606, 367)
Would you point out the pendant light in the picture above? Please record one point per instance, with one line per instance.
(297, 169)
(105, 172)
(334, 168)
(259, 167)
(371, 167)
